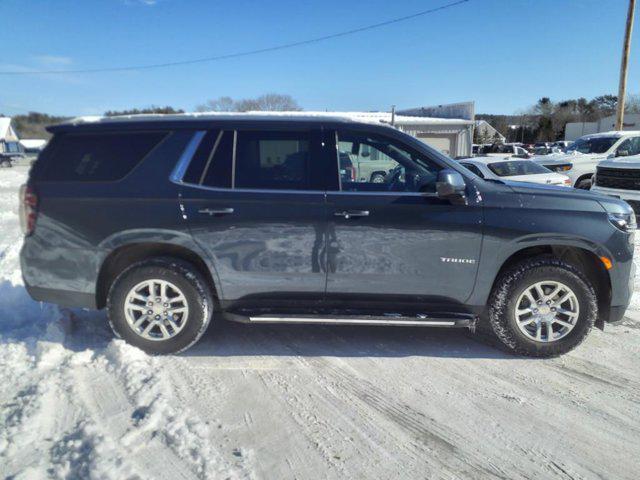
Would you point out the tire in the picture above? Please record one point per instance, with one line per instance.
(378, 178)
(188, 294)
(584, 184)
(513, 289)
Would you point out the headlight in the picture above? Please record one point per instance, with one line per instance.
(623, 221)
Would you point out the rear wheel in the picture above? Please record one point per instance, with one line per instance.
(161, 306)
(542, 307)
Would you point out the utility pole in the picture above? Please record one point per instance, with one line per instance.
(622, 89)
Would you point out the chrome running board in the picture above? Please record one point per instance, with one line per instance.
(453, 321)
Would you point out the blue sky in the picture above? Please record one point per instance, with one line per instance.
(504, 54)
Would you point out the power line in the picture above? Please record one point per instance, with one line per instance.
(239, 54)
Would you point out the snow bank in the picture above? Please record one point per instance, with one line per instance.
(68, 411)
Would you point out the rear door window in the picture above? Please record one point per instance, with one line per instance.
(99, 157)
(277, 160)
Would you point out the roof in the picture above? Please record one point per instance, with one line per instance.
(5, 127)
(612, 133)
(33, 143)
(378, 118)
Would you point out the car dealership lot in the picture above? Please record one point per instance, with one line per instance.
(302, 401)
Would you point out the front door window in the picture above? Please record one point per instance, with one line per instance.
(373, 163)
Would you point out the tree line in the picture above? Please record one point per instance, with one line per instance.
(547, 120)
(544, 121)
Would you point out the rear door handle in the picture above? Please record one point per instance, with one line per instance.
(216, 211)
(352, 213)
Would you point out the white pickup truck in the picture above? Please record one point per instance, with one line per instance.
(620, 177)
(581, 158)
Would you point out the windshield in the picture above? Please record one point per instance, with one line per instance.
(592, 145)
(513, 168)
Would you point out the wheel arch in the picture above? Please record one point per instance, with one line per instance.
(586, 260)
(586, 176)
(125, 255)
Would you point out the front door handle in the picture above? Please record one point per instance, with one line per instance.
(352, 213)
(216, 211)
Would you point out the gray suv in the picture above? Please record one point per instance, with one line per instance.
(171, 222)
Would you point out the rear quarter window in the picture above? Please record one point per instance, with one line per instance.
(97, 157)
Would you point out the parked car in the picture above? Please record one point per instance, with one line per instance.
(170, 222)
(586, 152)
(504, 151)
(619, 177)
(514, 169)
(5, 162)
(371, 165)
(9, 152)
(562, 144)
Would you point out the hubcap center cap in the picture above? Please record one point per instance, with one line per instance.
(157, 309)
(544, 310)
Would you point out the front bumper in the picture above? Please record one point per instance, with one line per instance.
(632, 197)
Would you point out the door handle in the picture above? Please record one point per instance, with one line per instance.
(216, 211)
(352, 213)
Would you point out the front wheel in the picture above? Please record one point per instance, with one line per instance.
(378, 178)
(584, 184)
(542, 307)
(161, 305)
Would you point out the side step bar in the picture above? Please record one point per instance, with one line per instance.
(420, 320)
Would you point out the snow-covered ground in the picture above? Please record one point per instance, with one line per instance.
(302, 401)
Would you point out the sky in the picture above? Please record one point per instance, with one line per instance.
(502, 54)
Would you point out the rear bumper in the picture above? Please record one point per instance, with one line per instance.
(65, 277)
(63, 298)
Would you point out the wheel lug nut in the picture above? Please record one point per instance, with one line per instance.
(158, 300)
(165, 305)
(150, 304)
(157, 317)
(535, 310)
(539, 302)
(150, 312)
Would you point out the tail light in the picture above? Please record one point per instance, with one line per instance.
(567, 182)
(352, 171)
(28, 209)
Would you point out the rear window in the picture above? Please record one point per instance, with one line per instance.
(98, 157)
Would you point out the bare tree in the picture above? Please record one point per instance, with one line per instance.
(632, 105)
(268, 102)
(220, 104)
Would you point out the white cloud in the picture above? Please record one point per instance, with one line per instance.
(53, 60)
(141, 2)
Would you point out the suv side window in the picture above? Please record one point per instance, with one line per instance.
(631, 145)
(211, 163)
(98, 157)
(274, 160)
(376, 163)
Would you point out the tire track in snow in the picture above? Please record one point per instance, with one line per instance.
(109, 406)
(377, 414)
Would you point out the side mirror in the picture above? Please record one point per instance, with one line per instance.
(451, 186)
(622, 153)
